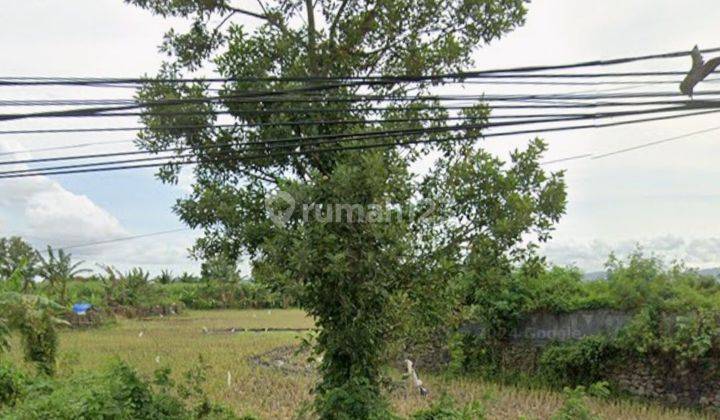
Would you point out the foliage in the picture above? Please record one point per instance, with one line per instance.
(15, 254)
(445, 409)
(36, 317)
(12, 385)
(216, 295)
(584, 361)
(132, 290)
(685, 338)
(90, 290)
(165, 277)
(198, 294)
(348, 274)
(117, 392)
(272, 393)
(57, 269)
(675, 317)
(220, 268)
(574, 407)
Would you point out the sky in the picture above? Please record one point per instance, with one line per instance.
(665, 198)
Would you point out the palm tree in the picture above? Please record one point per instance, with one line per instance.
(57, 269)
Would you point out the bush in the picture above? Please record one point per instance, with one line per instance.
(12, 383)
(446, 409)
(118, 392)
(676, 316)
(225, 295)
(573, 407)
(578, 362)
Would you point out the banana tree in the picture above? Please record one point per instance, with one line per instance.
(58, 269)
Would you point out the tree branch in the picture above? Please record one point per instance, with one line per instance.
(336, 21)
(311, 35)
(273, 20)
(248, 13)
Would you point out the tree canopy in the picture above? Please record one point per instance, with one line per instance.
(282, 141)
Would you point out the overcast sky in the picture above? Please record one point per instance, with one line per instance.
(666, 197)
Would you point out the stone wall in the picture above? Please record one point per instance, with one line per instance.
(696, 384)
(691, 385)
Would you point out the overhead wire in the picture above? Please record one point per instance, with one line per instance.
(309, 140)
(402, 78)
(120, 166)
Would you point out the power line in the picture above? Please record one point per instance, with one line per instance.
(295, 123)
(592, 156)
(365, 135)
(241, 99)
(123, 239)
(405, 78)
(654, 143)
(68, 147)
(40, 171)
(130, 101)
(125, 104)
(532, 104)
(159, 233)
(274, 124)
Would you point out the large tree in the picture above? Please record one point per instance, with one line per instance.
(279, 69)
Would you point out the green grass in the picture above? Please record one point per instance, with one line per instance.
(272, 393)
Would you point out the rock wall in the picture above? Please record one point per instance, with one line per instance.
(696, 384)
(691, 385)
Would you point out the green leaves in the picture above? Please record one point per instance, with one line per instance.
(57, 269)
(4, 335)
(350, 273)
(35, 318)
(15, 253)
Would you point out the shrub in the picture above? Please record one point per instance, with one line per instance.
(574, 406)
(35, 318)
(685, 338)
(446, 409)
(578, 362)
(225, 295)
(676, 316)
(12, 383)
(118, 392)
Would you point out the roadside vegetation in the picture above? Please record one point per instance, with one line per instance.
(222, 363)
(86, 357)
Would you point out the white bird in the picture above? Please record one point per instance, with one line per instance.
(141, 334)
(229, 379)
(699, 71)
(205, 330)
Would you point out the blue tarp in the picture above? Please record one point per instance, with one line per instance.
(81, 308)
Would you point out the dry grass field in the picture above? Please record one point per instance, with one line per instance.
(277, 392)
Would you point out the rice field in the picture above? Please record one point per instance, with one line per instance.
(244, 376)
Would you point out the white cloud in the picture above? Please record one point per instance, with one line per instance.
(591, 255)
(50, 211)
(43, 211)
(57, 213)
